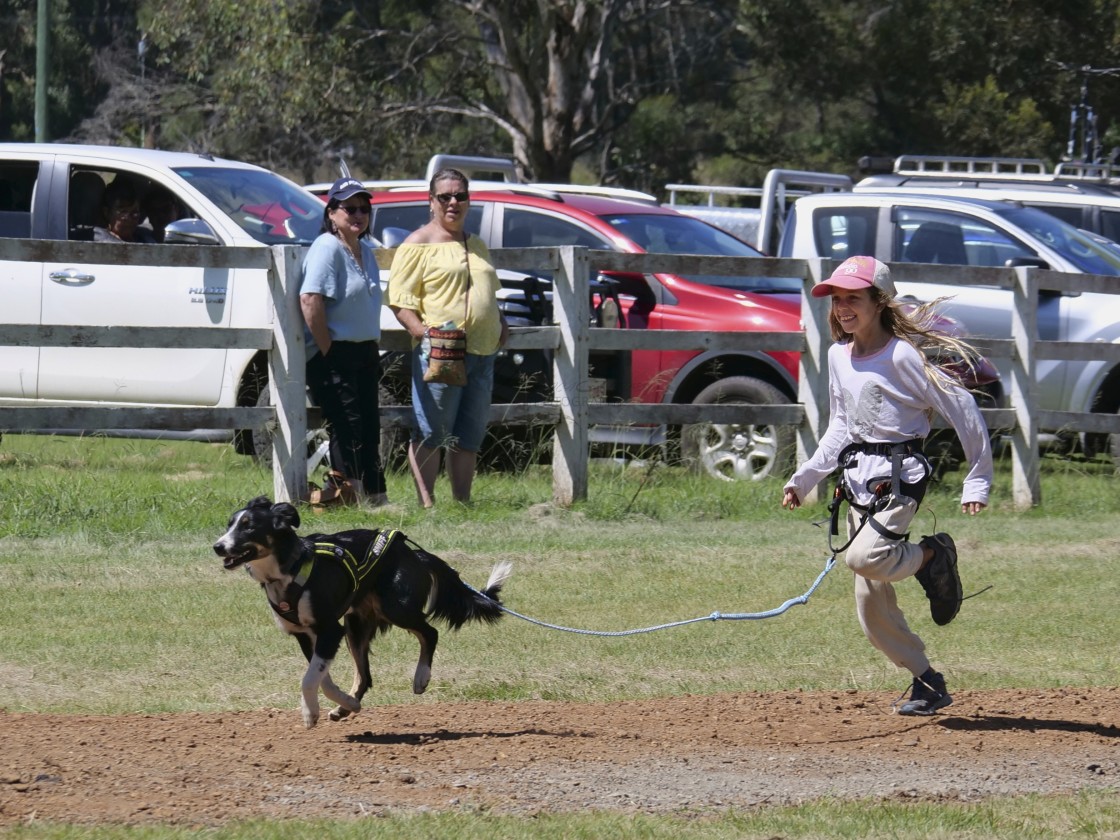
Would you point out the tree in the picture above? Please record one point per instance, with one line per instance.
(564, 75)
(79, 30)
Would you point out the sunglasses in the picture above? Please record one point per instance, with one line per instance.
(363, 209)
(445, 198)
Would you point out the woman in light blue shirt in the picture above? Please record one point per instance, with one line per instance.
(341, 303)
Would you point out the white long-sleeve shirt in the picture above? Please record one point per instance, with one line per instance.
(885, 398)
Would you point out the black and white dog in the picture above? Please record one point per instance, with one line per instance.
(367, 580)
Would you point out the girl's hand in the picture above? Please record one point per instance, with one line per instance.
(790, 500)
(972, 508)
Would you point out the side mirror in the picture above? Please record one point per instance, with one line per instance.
(1026, 262)
(391, 237)
(189, 232)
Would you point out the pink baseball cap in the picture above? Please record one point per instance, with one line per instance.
(857, 273)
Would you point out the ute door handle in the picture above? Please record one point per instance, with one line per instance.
(71, 277)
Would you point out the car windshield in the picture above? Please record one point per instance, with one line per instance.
(673, 234)
(1086, 252)
(269, 208)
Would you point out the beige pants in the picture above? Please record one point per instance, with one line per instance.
(878, 562)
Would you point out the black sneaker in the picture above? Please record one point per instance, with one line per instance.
(927, 694)
(940, 580)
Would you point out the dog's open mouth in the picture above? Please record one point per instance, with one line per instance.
(232, 561)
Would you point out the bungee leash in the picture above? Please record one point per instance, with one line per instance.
(715, 616)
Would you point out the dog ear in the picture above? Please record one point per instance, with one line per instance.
(260, 501)
(284, 515)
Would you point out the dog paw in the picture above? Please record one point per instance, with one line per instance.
(310, 715)
(349, 706)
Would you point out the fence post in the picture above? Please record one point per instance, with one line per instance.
(812, 382)
(1026, 488)
(571, 313)
(287, 376)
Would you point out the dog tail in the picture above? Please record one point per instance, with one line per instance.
(456, 603)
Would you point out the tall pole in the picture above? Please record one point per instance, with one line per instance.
(42, 71)
(142, 52)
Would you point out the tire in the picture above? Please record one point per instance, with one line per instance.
(739, 452)
(261, 439)
(256, 382)
(394, 442)
(1114, 451)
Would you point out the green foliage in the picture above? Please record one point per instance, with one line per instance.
(618, 91)
(78, 30)
(987, 120)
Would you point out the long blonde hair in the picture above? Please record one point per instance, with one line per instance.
(947, 358)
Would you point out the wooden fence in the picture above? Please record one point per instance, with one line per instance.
(571, 340)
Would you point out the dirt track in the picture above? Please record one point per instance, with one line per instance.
(680, 754)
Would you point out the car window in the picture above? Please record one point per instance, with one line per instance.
(17, 186)
(1110, 224)
(672, 233)
(840, 233)
(529, 229)
(675, 233)
(410, 217)
(1080, 248)
(86, 193)
(1069, 213)
(932, 236)
(269, 208)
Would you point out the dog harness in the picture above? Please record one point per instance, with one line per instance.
(884, 486)
(288, 609)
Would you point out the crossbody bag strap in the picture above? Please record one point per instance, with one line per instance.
(467, 302)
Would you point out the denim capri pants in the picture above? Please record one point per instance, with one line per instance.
(452, 415)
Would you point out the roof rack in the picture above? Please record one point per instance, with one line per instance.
(1076, 171)
(712, 191)
(469, 165)
(973, 167)
(605, 192)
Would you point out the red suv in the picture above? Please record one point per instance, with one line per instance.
(519, 216)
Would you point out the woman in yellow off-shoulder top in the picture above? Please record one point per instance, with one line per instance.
(442, 275)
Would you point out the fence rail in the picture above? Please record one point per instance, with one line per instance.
(571, 411)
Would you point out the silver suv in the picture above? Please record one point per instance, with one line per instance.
(53, 192)
(909, 226)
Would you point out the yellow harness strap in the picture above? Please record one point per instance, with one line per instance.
(357, 571)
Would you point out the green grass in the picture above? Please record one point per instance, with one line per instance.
(107, 544)
(1020, 818)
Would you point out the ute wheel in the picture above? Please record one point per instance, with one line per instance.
(394, 441)
(261, 439)
(1114, 450)
(739, 451)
